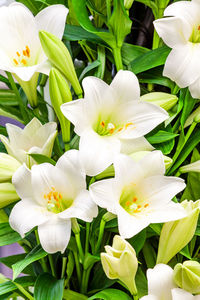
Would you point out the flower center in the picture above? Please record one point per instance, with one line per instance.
(109, 128)
(195, 36)
(55, 201)
(130, 202)
(22, 59)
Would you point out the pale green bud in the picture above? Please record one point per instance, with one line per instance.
(60, 93)
(176, 235)
(60, 57)
(193, 167)
(128, 4)
(191, 117)
(7, 194)
(8, 166)
(187, 276)
(197, 118)
(120, 262)
(164, 100)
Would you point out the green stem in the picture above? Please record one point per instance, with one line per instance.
(42, 261)
(79, 246)
(64, 263)
(85, 279)
(57, 148)
(118, 58)
(101, 232)
(67, 146)
(21, 104)
(87, 237)
(135, 297)
(78, 268)
(108, 7)
(23, 291)
(52, 265)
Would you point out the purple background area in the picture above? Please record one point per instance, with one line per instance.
(15, 248)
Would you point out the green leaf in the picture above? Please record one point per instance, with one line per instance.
(90, 67)
(131, 52)
(161, 136)
(111, 294)
(141, 283)
(3, 216)
(8, 235)
(188, 105)
(8, 97)
(119, 17)
(48, 288)
(149, 60)
(166, 147)
(192, 191)
(9, 286)
(71, 295)
(137, 242)
(10, 260)
(82, 16)
(77, 33)
(40, 159)
(90, 260)
(36, 254)
(155, 76)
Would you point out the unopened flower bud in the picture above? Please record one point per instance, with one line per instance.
(60, 57)
(120, 262)
(8, 194)
(128, 4)
(164, 100)
(177, 234)
(187, 276)
(193, 167)
(60, 93)
(8, 166)
(191, 117)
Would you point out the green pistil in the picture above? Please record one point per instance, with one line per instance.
(195, 36)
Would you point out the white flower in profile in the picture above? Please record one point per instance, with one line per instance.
(139, 194)
(34, 138)
(51, 196)
(180, 30)
(20, 49)
(162, 287)
(111, 119)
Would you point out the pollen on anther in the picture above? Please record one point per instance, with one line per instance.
(134, 199)
(15, 61)
(146, 205)
(23, 61)
(199, 27)
(128, 203)
(111, 130)
(128, 124)
(24, 53)
(139, 206)
(60, 196)
(18, 54)
(28, 51)
(102, 124)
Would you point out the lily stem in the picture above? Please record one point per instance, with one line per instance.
(118, 58)
(23, 291)
(87, 237)
(101, 232)
(79, 246)
(20, 102)
(42, 261)
(78, 268)
(52, 265)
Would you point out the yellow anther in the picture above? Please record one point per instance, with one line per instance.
(24, 53)
(60, 196)
(120, 129)
(28, 51)
(23, 61)
(111, 130)
(134, 199)
(102, 124)
(128, 124)
(53, 188)
(15, 61)
(146, 205)
(18, 54)
(128, 203)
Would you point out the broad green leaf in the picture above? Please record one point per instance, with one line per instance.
(90, 260)
(36, 254)
(3, 216)
(155, 76)
(161, 136)
(82, 16)
(8, 97)
(149, 60)
(186, 252)
(131, 52)
(9, 286)
(77, 33)
(10, 260)
(40, 159)
(99, 280)
(8, 235)
(137, 242)
(141, 283)
(90, 67)
(48, 287)
(188, 106)
(111, 294)
(71, 295)
(5, 113)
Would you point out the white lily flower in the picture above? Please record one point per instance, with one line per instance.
(34, 138)
(181, 32)
(162, 287)
(139, 194)
(111, 119)
(20, 49)
(51, 196)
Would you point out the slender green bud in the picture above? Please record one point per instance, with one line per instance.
(7, 194)
(187, 276)
(60, 57)
(191, 117)
(120, 262)
(128, 4)
(60, 93)
(193, 167)
(176, 235)
(164, 100)
(8, 166)
(197, 118)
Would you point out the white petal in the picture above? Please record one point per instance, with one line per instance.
(170, 212)
(22, 182)
(25, 215)
(32, 127)
(173, 31)
(183, 64)
(126, 86)
(82, 208)
(48, 146)
(162, 289)
(103, 194)
(55, 234)
(14, 134)
(70, 164)
(144, 116)
(52, 19)
(161, 189)
(188, 11)
(75, 112)
(129, 146)
(25, 73)
(130, 225)
(10, 149)
(179, 294)
(149, 297)
(195, 89)
(97, 152)
(153, 164)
